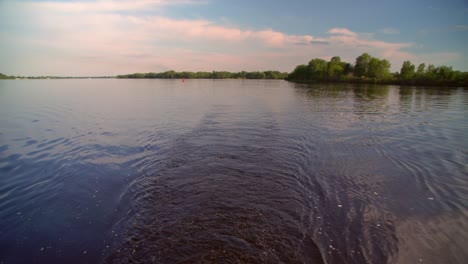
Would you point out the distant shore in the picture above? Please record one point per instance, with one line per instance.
(365, 70)
(436, 83)
(7, 77)
(368, 69)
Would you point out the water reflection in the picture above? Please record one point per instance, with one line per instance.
(232, 171)
(396, 158)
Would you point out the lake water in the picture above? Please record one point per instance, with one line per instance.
(231, 171)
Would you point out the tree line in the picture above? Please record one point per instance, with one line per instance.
(368, 69)
(208, 75)
(3, 76)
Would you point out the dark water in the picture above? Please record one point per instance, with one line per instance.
(230, 171)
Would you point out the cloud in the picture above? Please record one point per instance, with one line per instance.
(342, 31)
(96, 38)
(110, 5)
(389, 31)
(389, 50)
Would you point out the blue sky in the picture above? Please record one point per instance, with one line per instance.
(108, 37)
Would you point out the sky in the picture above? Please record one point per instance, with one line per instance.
(110, 37)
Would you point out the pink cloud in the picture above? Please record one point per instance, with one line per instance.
(342, 31)
(111, 5)
(394, 52)
(66, 31)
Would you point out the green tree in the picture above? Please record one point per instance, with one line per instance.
(335, 67)
(301, 72)
(3, 76)
(384, 72)
(444, 73)
(373, 68)
(431, 72)
(168, 74)
(407, 71)
(362, 65)
(242, 74)
(421, 71)
(348, 68)
(378, 69)
(272, 74)
(421, 68)
(256, 75)
(317, 69)
(137, 75)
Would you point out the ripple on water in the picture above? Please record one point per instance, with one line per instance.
(220, 197)
(215, 171)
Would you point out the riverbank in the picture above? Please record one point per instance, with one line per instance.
(430, 83)
(369, 69)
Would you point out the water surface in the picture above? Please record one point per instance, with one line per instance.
(231, 171)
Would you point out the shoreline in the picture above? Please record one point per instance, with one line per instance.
(419, 83)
